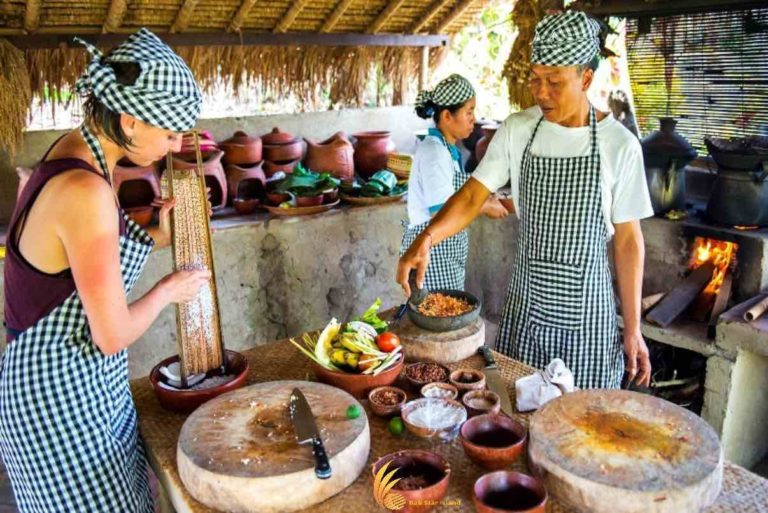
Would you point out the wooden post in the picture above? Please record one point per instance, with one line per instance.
(680, 297)
(424, 70)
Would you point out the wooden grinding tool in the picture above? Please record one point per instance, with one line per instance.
(616, 451)
(239, 453)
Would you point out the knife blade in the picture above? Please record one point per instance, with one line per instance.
(494, 380)
(306, 432)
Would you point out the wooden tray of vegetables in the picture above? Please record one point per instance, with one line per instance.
(382, 187)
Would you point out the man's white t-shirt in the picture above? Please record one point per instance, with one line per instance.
(430, 183)
(624, 189)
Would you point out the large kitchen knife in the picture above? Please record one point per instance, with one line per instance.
(306, 431)
(493, 380)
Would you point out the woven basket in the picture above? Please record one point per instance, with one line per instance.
(400, 164)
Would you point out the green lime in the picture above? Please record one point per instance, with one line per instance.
(353, 411)
(396, 426)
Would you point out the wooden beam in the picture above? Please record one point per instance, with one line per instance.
(115, 15)
(32, 16)
(290, 16)
(453, 15)
(638, 8)
(335, 16)
(184, 16)
(56, 40)
(434, 8)
(241, 15)
(384, 16)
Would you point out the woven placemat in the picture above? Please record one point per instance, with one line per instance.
(743, 491)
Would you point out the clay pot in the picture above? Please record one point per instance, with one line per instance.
(505, 491)
(330, 196)
(207, 144)
(371, 150)
(309, 201)
(281, 146)
(386, 410)
(141, 215)
(275, 198)
(334, 155)
(482, 145)
(493, 441)
(467, 379)
(213, 171)
(357, 384)
(136, 186)
(286, 166)
(415, 461)
(252, 175)
(184, 401)
(245, 206)
(480, 402)
(241, 149)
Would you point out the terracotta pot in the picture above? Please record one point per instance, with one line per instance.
(334, 155)
(505, 491)
(386, 410)
(245, 206)
(184, 401)
(330, 196)
(467, 379)
(357, 384)
(371, 150)
(252, 175)
(136, 186)
(241, 149)
(275, 198)
(480, 402)
(429, 464)
(482, 145)
(207, 143)
(141, 215)
(309, 201)
(214, 175)
(281, 146)
(286, 166)
(493, 441)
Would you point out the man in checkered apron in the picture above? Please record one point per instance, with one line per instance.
(68, 431)
(577, 178)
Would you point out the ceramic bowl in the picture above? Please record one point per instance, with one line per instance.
(357, 384)
(479, 402)
(505, 491)
(438, 389)
(442, 427)
(415, 382)
(493, 441)
(245, 206)
(330, 196)
(432, 469)
(275, 198)
(467, 379)
(309, 201)
(386, 410)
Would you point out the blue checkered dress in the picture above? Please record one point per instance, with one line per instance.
(447, 260)
(560, 302)
(68, 431)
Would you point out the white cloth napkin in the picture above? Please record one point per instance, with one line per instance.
(537, 389)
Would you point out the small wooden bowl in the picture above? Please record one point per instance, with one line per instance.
(479, 402)
(467, 379)
(505, 491)
(493, 441)
(446, 432)
(416, 384)
(423, 499)
(440, 390)
(358, 385)
(386, 410)
(244, 206)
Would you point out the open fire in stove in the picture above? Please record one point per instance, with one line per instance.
(721, 253)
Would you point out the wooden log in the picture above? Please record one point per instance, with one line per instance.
(384, 16)
(241, 15)
(681, 296)
(115, 15)
(335, 16)
(757, 310)
(720, 304)
(184, 16)
(453, 15)
(32, 16)
(649, 302)
(432, 10)
(289, 17)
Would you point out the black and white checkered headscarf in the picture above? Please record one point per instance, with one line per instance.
(453, 90)
(569, 38)
(164, 95)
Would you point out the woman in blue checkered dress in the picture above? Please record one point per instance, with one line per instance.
(437, 173)
(68, 432)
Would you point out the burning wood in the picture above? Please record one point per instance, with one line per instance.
(721, 253)
(680, 297)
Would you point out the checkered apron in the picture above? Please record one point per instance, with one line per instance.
(68, 431)
(447, 260)
(560, 302)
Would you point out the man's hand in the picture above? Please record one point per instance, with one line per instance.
(417, 257)
(638, 359)
(494, 209)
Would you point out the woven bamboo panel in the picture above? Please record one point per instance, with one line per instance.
(198, 324)
(743, 491)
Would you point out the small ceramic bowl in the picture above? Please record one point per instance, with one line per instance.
(309, 201)
(330, 196)
(141, 215)
(245, 206)
(412, 370)
(275, 198)
(493, 441)
(505, 491)
(386, 410)
(467, 379)
(479, 402)
(414, 467)
(444, 390)
(433, 417)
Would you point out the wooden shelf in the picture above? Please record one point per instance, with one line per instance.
(684, 334)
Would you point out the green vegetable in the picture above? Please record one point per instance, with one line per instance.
(305, 182)
(396, 426)
(353, 411)
(371, 317)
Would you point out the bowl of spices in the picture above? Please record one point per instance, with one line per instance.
(433, 417)
(420, 373)
(443, 390)
(479, 402)
(467, 379)
(423, 479)
(386, 401)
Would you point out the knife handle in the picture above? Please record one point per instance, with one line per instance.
(322, 466)
(486, 352)
(400, 312)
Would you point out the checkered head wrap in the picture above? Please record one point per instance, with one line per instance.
(165, 93)
(453, 90)
(570, 38)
